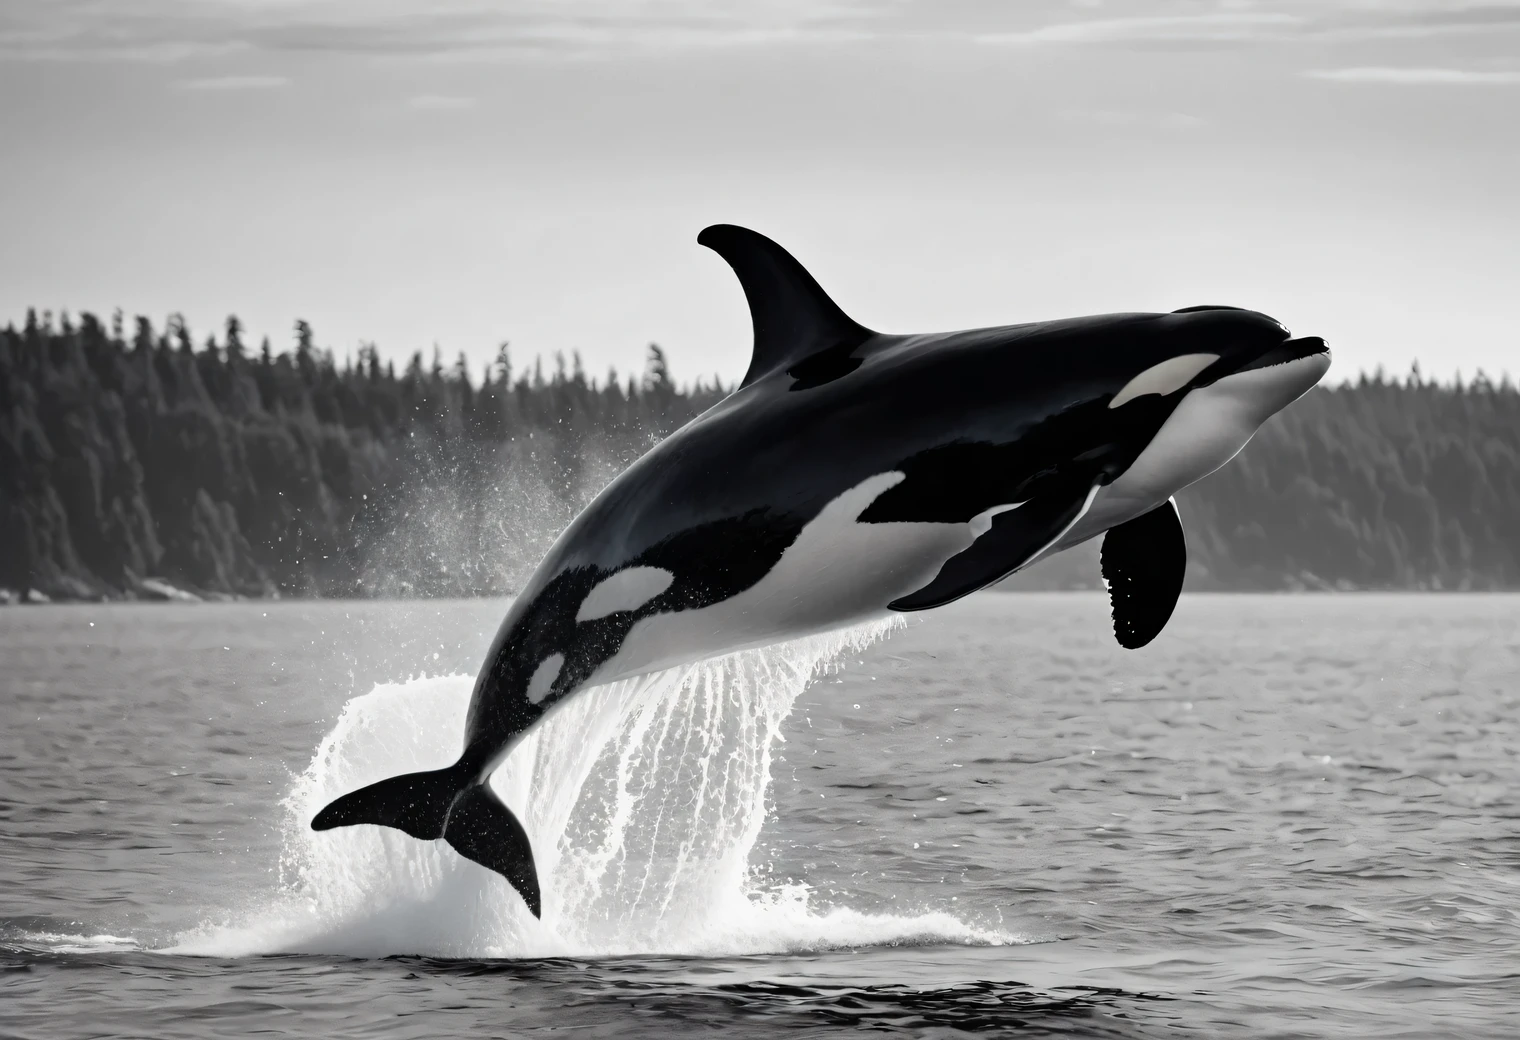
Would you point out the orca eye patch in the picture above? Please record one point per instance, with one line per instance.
(1167, 377)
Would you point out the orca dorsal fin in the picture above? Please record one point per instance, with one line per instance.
(794, 318)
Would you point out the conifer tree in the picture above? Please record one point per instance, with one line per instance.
(155, 458)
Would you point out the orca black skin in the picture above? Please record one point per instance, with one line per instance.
(851, 474)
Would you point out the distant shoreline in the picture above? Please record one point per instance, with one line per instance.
(145, 463)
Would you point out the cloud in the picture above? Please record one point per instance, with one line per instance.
(439, 103)
(1209, 27)
(1461, 16)
(174, 30)
(1418, 76)
(1236, 21)
(233, 83)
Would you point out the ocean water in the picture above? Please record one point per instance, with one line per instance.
(1291, 816)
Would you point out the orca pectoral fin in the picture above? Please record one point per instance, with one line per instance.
(482, 829)
(1144, 562)
(1015, 537)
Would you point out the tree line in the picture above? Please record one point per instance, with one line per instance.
(136, 461)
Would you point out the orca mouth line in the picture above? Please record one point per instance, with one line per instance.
(1288, 351)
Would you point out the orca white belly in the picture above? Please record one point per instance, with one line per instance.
(837, 573)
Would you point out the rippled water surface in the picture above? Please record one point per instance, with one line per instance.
(1290, 816)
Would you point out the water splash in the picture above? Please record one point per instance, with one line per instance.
(643, 800)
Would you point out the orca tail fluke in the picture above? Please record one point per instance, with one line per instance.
(482, 829)
(447, 804)
(416, 803)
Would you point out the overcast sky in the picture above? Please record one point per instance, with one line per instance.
(461, 172)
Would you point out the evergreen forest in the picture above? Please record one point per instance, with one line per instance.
(136, 462)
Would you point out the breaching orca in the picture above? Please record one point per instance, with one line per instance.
(854, 473)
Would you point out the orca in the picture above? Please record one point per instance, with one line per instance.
(854, 473)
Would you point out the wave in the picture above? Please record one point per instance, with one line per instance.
(643, 800)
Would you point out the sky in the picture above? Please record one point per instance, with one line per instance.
(459, 173)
